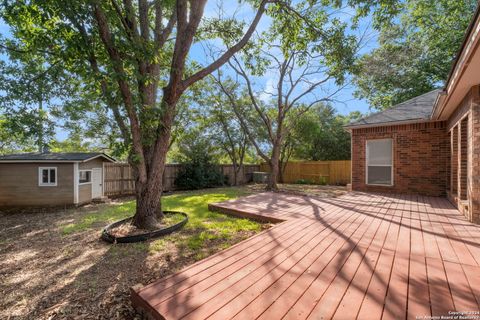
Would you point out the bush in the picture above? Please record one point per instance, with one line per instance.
(320, 181)
(199, 175)
(303, 181)
(199, 170)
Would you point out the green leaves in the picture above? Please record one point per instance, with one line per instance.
(416, 51)
(319, 135)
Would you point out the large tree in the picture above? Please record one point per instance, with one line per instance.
(415, 51)
(29, 90)
(223, 128)
(304, 62)
(135, 56)
(128, 51)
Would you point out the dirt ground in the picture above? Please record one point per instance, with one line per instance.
(46, 274)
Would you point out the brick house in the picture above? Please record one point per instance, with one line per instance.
(429, 145)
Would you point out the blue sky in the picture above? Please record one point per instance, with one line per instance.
(344, 103)
(345, 100)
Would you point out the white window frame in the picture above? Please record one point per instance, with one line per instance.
(82, 183)
(40, 177)
(367, 165)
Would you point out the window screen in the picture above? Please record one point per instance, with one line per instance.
(379, 162)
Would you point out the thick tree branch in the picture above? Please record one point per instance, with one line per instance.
(230, 52)
(161, 36)
(265, 118)
(93, 61)
(243, 123)
(124, 87)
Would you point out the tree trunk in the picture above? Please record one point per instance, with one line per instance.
(148, 208)
(274, 169)
(280, 173)
(149, 193)
(235, 173)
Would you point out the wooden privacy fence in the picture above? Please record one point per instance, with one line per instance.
(329, 172)
(118, 177)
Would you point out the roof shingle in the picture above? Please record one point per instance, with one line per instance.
(52, 156)
(418, 108)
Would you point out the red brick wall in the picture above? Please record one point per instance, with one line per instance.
(464, 125)
(474, 157)
(420, 158)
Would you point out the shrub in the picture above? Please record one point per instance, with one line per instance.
(198, 169)
(303, 181)
(199, 175)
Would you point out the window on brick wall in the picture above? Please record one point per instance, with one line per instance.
(380, 162)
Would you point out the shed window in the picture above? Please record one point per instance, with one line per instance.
(380, 162)
(85, 176)
(47, 177)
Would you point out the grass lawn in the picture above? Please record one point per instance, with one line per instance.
(202, 228)
(53, 264)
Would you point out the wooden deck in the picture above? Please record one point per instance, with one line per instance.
(359, 256)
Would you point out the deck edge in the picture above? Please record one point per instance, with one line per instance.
(141, 306)
(217, 207)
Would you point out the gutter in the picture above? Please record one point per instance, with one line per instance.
(386, 124)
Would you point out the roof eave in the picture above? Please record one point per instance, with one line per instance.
(40, 161)
(103, 155)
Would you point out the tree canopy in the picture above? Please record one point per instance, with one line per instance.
(320, 136)
(415, 53)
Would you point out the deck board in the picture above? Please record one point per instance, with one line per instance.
(364, 256)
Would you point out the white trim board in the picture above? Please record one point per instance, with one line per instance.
(75, 183)
(84, 183)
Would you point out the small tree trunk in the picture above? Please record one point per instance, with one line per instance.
(274, 168)
(235, 173)
(235, 177)
(272, 181)
(280, 171)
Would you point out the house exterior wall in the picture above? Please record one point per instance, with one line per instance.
(420, 153)
(84, 193)
(464, 124)
(19, 185)
(474, 156)
(95, 163)
(85, 190)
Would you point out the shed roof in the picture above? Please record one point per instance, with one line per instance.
(54, 157)
(415, 109)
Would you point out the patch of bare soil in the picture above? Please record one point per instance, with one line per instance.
(47, 275)
(127, 229)
(304, 189)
